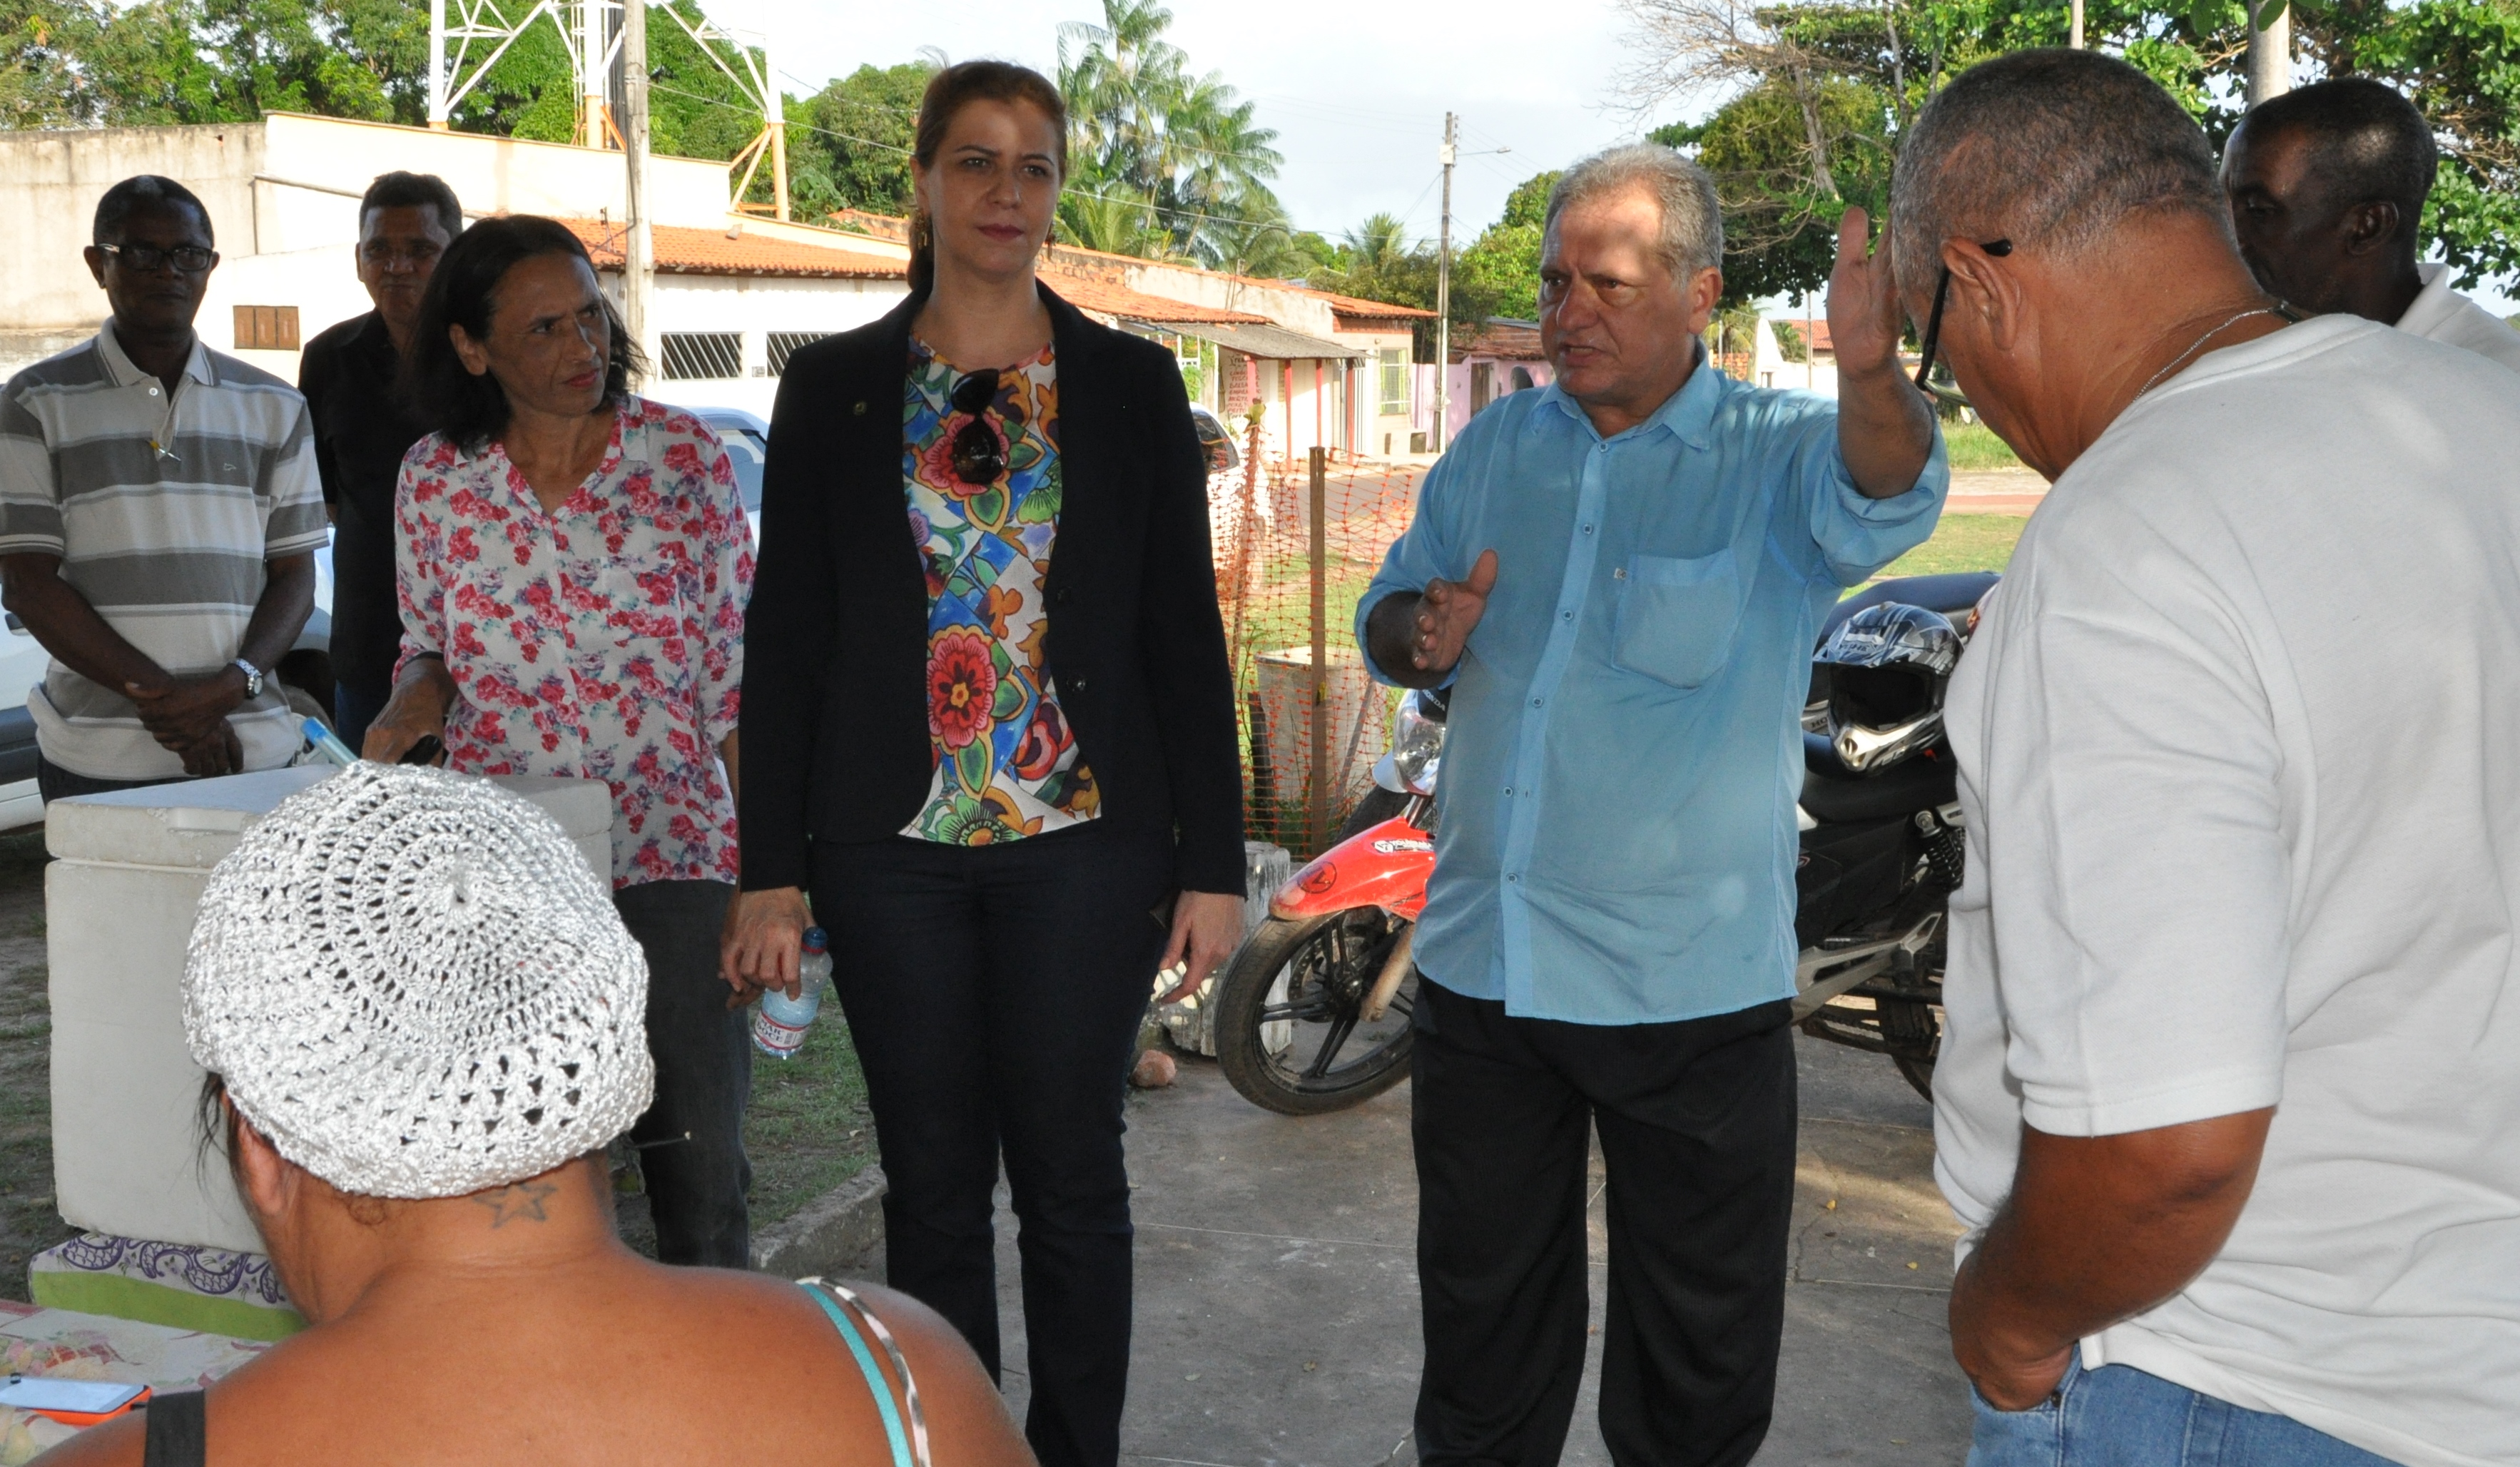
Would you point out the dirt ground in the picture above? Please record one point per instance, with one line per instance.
(27, 1222)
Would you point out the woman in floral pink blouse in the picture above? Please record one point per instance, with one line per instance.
(573, 563)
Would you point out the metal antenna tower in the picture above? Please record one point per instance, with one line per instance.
(466, 38)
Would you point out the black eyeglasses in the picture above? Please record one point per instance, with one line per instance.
(1934, 327)
(979, 453)
(191, 259)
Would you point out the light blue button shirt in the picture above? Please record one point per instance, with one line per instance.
(1616, 841)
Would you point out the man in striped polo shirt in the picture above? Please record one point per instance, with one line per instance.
(160, 511)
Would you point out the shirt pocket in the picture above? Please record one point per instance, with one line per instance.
(644, 600)
(1677, 617)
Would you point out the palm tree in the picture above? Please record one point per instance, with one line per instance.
(1188, 145)
(1254, 239)
(1111, 217)
(1119, 82)
(1381, 240)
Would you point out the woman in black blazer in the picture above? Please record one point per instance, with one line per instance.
(988, 723)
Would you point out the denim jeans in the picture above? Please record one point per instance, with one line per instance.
(2119, 1416)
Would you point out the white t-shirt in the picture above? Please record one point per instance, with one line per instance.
(2239, 751)
(2442, 314)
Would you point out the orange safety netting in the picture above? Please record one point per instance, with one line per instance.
(1288, 581)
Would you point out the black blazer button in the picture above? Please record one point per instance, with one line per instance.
(1061, 596)
(1079, 685)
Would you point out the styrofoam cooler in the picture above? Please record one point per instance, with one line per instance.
(118, 904)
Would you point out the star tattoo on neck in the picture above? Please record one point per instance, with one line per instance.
(523, 1200)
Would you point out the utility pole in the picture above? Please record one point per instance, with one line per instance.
(638, 246)
(2269, 50)
(1444, 292)
(2075, 40)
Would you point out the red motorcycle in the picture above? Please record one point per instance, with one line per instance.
(1313, 1012)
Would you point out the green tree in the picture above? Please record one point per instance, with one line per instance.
(848, 145)
(1816, 93)
(1501, 270)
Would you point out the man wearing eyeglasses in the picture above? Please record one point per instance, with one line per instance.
(363, 428)
(159, 514)
(2225, 1097)
(1621, 576)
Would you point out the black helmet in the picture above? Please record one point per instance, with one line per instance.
(1887, 666)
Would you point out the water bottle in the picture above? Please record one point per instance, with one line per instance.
(779, 1025)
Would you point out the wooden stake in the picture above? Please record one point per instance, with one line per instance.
(1320, 719)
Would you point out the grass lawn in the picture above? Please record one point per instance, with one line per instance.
(1962, 542)
(1975, 445)
(807, 1129)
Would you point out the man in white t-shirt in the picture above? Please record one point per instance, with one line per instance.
(2327, 187)
(2229, 1097)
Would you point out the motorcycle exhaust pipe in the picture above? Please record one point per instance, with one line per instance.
(1388, 982)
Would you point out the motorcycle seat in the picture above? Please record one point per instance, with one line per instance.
(1912, 785)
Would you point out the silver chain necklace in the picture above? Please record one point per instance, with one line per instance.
(2264, 310)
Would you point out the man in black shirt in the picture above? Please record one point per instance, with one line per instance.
(362, 429)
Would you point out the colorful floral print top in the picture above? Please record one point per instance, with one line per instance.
(1005, 760)
(602, 641)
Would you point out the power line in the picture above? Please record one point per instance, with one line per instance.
(912, 112)
(1287, 227)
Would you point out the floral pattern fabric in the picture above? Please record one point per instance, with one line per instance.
(1006, 764)
(600, 641)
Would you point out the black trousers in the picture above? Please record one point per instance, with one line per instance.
(54, 782)
(994, 993)
(1696, 1121)
(692, 1139)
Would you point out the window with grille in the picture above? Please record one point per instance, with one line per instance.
(703, 354)
(1395, 382)
(266, 328)
(783, 344)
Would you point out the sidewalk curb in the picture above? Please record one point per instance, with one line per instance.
(830, 1234)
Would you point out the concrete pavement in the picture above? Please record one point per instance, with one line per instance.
(1277, 1310)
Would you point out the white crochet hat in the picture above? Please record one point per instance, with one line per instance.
(414, 986)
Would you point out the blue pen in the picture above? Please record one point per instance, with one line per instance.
(326, 743)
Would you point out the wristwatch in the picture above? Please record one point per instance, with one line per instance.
(252, 678)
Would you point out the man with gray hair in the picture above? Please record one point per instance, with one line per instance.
(1620, 577)
(2225, 1095)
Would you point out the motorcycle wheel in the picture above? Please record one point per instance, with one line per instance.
(1284, 1048)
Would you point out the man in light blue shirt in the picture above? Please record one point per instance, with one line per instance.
(1621, 575)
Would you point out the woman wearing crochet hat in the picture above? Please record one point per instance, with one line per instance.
(990, 726)
(421, 1017)
(573, 563)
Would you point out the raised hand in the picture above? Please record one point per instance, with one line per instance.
(1863, 308)
(1447, 611)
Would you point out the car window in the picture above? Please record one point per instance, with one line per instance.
(746, 450)
(1214, 441)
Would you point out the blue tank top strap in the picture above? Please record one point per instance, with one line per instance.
(909, 1448)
